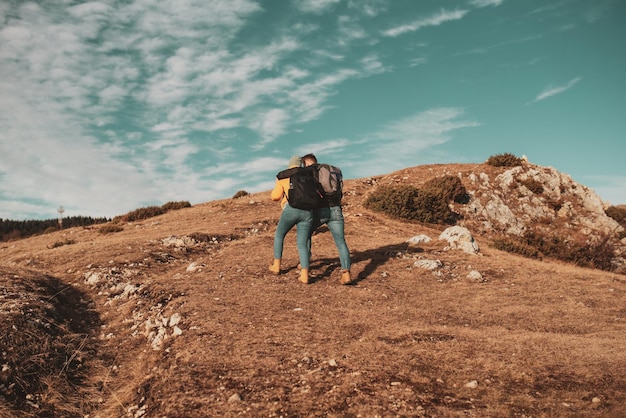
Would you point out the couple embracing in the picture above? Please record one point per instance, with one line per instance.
(310, 196)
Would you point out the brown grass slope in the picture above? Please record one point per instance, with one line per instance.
(178, 316)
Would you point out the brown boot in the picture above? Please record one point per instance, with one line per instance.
(275, 268)
(345, 277)
(304, 276)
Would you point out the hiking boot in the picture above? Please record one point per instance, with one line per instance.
(304, 276)
(345, 277)
(275, 268)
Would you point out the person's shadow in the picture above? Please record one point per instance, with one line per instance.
(375, 256)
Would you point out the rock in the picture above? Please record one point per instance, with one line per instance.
(193, 267)
(418, 239)
(234, 398)
(460, 238)
(472, 385)
(332, 363)
(475, 276)
(92, 278)
(428, 264)
(175, 319)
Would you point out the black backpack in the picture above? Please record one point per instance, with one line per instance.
(304, 190)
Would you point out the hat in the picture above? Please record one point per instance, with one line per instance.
(295, 161)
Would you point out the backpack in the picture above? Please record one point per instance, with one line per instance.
(330, 178)
(304, 190)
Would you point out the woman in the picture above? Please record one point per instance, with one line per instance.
(303, 219)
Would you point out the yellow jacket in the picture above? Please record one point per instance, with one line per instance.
(280, 191)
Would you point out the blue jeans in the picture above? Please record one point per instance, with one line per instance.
(304, 221)
(333, 218)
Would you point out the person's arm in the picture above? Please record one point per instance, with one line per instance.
(278, 191)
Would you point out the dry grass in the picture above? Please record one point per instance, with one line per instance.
(538, 338)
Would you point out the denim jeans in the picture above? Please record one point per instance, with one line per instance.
(303, 219)
(333, 218)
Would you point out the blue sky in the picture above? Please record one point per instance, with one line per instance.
(112, 105)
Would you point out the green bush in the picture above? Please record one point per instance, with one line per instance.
(140, 214)
(150, 212)
(395, 201)
(504, 160)
(533, 185)
(511, 246)
(175, 205)
(240, 193)
(447, 188)
(62, 243)
(50, 229)
(535, 245)
(408, 202)
(107, 229)
(617, 213)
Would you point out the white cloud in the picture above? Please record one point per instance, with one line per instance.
(434, 20)
(401, 143)
(485, 3)
(329, 148)
(316, 6)
(417, 61)
(271, 124)
(552, 91)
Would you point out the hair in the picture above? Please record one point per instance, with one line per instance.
(310, 157)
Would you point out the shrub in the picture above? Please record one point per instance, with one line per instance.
(407, 202)
(533, 245)
(511, 246)
(533, 185)
(394, 201)
(140, 214)
(447, 188)
(150, 211)
(50, 229)
(432, 208)
(175, 205)
(240, 193)
(62, 243)
(504, 160)
(617, 213)
(107, 229)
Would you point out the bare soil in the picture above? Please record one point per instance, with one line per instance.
(150, 323)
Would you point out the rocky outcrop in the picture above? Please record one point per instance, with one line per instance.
(530, 196)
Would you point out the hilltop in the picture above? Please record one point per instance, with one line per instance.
(178, 316)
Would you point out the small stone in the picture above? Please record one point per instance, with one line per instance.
(418, 239)
(596, 400)
(428, 264)
(234, 398)
(472, 385)
(175, 319)
(475, 276)
(332, 363)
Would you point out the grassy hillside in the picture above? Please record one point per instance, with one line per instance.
(177, 315)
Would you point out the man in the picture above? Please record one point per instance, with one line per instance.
(332, 216)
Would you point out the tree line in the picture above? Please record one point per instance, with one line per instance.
(11, 230)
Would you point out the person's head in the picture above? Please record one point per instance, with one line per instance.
(309, 159)
(295, 161)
